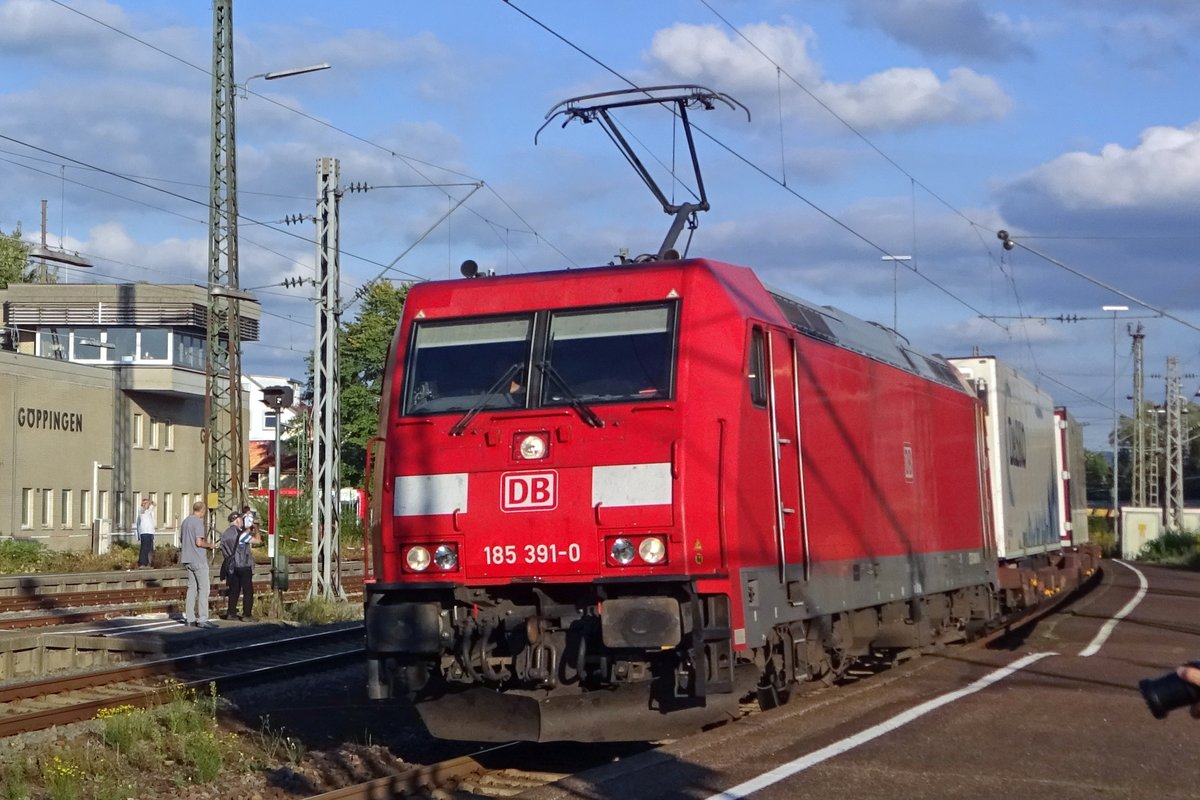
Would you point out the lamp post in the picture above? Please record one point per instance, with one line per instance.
(1116, 419)
(278, 398)
(896, 285)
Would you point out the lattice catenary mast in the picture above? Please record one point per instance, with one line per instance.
(223, 374)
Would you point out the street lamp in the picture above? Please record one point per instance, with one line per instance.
(1116, 417)
(281, 73)
(896, 285)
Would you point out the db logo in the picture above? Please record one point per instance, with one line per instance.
(528, 491)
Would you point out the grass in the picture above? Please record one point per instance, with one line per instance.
(322, 611)
(135, 752)
(1176, 549)
(23, 557)
(20, 557)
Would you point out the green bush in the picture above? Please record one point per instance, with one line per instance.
(1178, 548)
(20, 557)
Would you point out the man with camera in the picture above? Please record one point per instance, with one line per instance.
(1191, 674)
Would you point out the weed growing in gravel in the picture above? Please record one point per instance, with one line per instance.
(63, 778)
(134, 753)
(13, 785)
(277, 746)
(322, 611)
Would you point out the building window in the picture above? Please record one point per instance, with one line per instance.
(153, 434)
(85, 508)
(135, 435)
(189, 350)
(269, 420)
(170, 434)
(53, 342)
(102, 511)
(154, 344)
(122, 344)
(26, 509)
(185, 505)
(47, 507)
(86, 345)
(64, 508)
(167, 521)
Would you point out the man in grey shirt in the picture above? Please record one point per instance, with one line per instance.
(193, 542)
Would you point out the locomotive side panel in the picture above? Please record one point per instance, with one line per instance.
(892, 509)
(889, 497)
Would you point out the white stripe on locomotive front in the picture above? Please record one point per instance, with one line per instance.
(626, 485)
(618, 486)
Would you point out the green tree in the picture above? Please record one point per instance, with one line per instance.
(363, 349)
(1099, 478)
(14, 258)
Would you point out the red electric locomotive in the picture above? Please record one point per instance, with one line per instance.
(609, 488)
(607, 503)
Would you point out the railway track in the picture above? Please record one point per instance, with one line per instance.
(465, 778)
(40, 704)
(40, 606)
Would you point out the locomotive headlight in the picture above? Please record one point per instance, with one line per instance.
(622, 551)
(532, 447)
(652, 550)
(446, 557)
(417, 558)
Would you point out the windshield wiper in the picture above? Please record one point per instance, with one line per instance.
(505, 380)
(584, 410)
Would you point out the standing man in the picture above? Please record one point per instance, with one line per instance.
(193, 541)
(145, 530)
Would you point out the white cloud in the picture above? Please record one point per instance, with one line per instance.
(1162, 171)
(904, 97)
(54, 33)
(901, 97)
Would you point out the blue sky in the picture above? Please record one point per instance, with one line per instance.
(904, 127)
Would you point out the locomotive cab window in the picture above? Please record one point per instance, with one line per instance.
(756, 372)
(455, 365)
(611, 355)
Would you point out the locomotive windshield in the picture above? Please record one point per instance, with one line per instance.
(623, 354)
(617, 354)
(456, 364)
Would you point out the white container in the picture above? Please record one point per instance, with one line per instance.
(1022, 436)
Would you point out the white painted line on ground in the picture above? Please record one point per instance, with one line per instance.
(1107, 630)
(121, 627)
(849, 743)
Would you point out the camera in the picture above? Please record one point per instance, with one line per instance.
(1169, 692)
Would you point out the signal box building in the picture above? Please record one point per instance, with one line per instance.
(102, 397)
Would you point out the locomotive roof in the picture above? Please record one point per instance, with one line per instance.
(825, 323)
(871, 339)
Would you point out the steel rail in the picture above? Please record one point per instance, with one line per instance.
(216, 662)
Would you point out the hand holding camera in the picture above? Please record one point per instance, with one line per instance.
(1173, 690)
